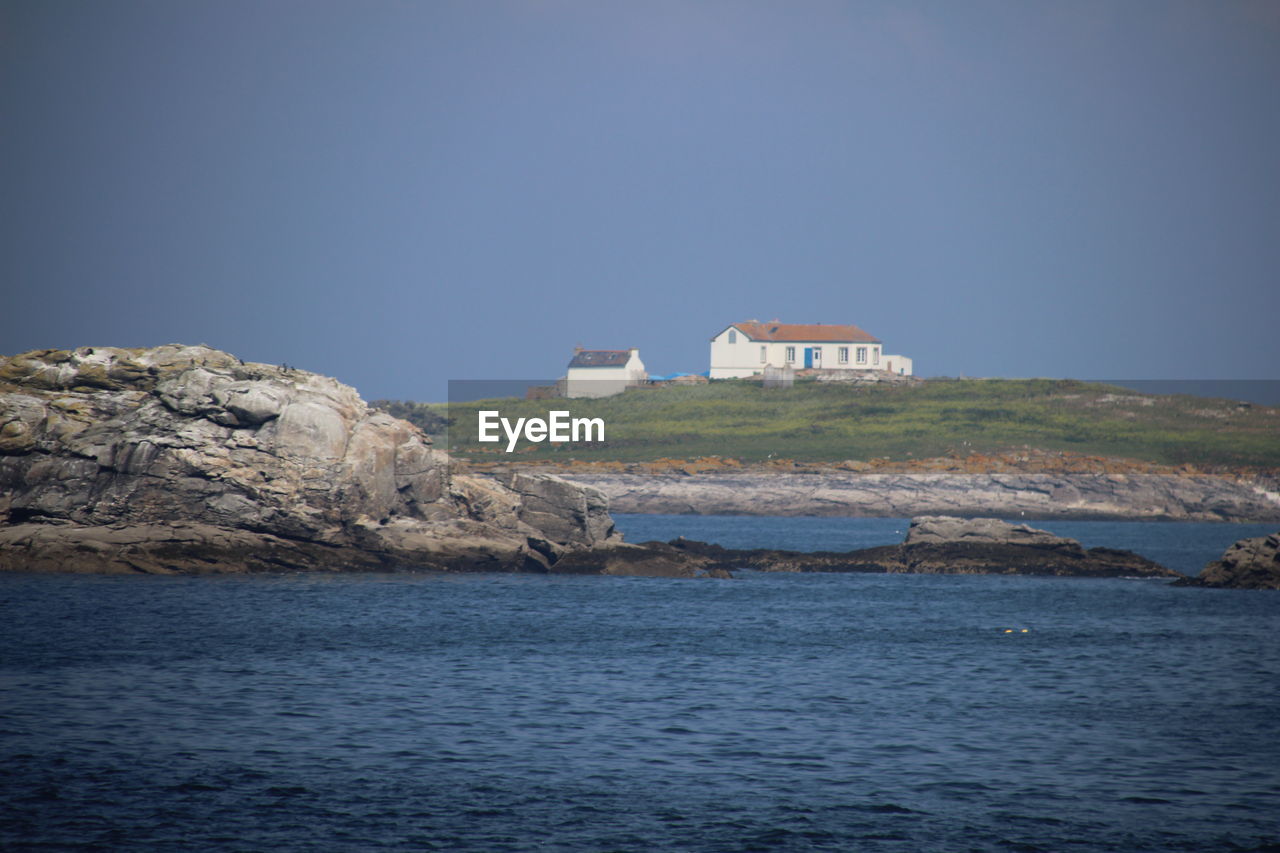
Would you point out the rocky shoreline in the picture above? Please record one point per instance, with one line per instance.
(835, 492)
(188, 459)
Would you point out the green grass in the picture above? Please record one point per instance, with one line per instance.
(819, 421)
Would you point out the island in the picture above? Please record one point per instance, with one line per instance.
(946, 545)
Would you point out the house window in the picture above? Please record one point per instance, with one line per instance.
(862, 355)
(817, 354)
(733, 336)
(764, 354)
(875, 355)
(842, 355)
(791, 355)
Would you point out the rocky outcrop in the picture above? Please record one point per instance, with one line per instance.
(652, 559)
(1248, 564)
(834, 492)
(184, 458)
(948, 546)
(168, 548)
(941, 529)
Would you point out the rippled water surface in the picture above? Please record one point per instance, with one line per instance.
(771, 712)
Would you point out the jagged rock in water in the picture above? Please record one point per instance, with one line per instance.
(185, 458)
(1247, 564)
(649, 559)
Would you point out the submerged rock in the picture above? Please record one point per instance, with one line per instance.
(945, 545)
(1247, 564)
(183, 458)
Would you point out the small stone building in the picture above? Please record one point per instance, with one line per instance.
(603, 372)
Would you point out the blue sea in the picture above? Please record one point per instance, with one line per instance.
(538, 713)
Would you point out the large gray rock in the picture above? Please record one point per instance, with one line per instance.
(155, 459)
(1247, 564)
(937, 529)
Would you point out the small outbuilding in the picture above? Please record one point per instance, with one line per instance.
(603, 372)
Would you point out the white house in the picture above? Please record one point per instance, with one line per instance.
(745, 349)
(603, 372)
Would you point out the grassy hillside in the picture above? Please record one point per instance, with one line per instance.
(819, 421)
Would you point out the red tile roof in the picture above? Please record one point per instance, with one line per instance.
(805, 332)
(601, 358)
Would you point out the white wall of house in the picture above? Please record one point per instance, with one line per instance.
(735, 356)
(605, 381)
(898, 364)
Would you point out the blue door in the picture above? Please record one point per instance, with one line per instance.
(808, 356)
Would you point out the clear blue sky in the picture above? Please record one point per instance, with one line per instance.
(402, 193)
